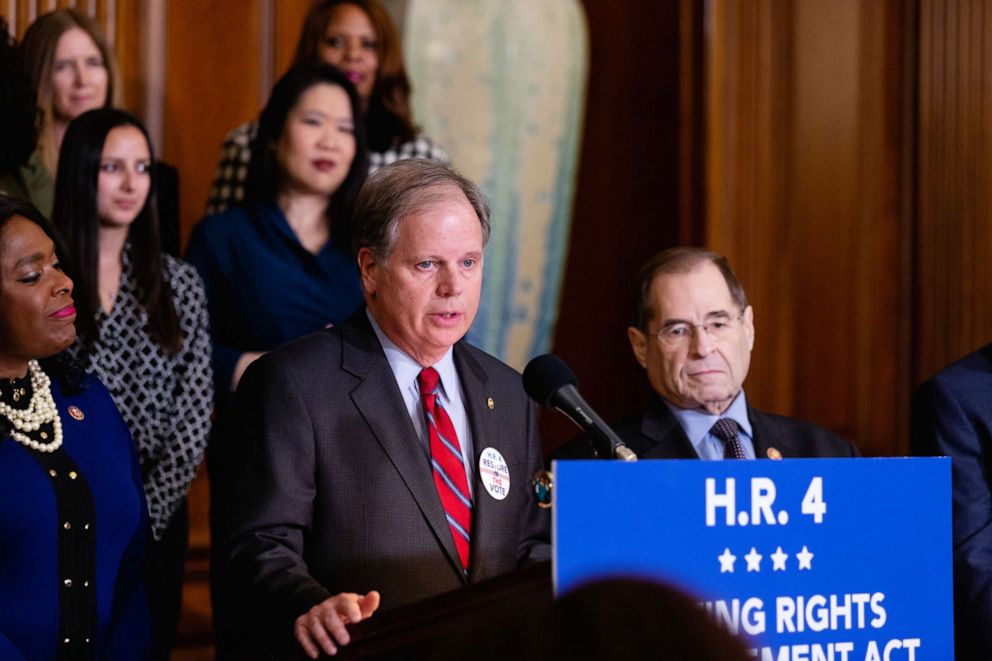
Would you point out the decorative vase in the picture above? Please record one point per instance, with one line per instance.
(500, 84)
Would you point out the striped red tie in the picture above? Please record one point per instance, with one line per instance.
(448, 465)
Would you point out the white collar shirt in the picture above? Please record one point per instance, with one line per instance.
(405, 370)
(697, 423)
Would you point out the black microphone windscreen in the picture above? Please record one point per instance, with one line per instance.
(544, 375)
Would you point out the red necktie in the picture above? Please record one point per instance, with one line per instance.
(448, 465)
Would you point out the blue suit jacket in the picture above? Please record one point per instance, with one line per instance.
(952, 415)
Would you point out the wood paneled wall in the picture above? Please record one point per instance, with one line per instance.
(212, 84)
(221, 59)
(806, 171)
(847, 176)
(20, 13)
(746, 102)
(130, 43)
(953, 242)
(626, 199)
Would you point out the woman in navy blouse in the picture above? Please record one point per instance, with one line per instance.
(280, 266)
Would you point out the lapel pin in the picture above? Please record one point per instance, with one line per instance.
(491, 403)
(76, 412)
(773, 453)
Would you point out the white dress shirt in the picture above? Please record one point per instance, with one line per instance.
(451, 398)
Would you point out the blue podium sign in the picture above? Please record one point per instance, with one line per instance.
(838, 559)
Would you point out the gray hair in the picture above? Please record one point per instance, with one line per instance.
(401, 189)
(680, 261)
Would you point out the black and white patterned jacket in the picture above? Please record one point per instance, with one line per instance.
(166, 400)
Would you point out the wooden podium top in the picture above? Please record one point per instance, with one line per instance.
(419, 630)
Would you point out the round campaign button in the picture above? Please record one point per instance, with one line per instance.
(495, 473)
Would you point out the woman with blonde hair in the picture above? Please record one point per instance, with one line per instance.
(73, 70)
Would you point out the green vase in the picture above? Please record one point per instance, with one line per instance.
(500, 84)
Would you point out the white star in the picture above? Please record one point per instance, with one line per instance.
(778, 559)
(805, 558)
(727, 560)
(753, 560)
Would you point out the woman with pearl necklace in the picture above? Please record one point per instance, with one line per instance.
(72, 508)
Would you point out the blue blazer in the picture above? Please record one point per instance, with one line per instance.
(952, 416)
(263, 287)
(99, 445)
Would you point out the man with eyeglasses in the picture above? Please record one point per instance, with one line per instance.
(694, 334)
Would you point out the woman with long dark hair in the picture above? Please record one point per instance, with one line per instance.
(359, 38)
(143, 328)
(280, 266)
(71, 505)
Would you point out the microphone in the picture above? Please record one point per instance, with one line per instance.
(551, 383)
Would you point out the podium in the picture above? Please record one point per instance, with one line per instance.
(845, 559)
(427, 627)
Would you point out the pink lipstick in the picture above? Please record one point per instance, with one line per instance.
(62, 313)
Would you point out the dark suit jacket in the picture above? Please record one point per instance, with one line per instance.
(952, 415)
(325, 487)
(657, 434)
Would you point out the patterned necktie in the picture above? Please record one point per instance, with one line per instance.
(448, 465)
(726, 430)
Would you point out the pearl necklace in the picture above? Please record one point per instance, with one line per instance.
(41, 410)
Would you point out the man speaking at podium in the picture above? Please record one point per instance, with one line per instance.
(384, 458)
(694, 334)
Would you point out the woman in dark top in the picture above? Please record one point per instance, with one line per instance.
(71, 505)
(142, 328)
(280, 266)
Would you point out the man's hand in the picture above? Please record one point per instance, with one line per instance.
(323, 626)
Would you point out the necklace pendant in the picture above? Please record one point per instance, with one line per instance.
(41, 410)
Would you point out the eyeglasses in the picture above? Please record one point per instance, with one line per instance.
(678, 335)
